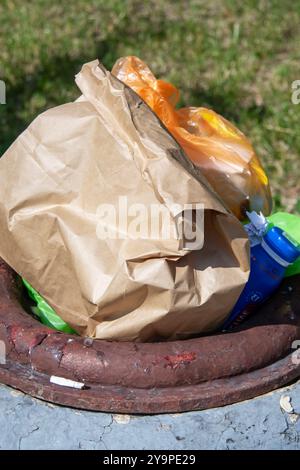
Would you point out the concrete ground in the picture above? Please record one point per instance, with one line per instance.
(266, 422)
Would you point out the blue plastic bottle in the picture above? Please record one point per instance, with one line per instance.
(269, 261)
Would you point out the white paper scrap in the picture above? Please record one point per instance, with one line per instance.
(66, 382)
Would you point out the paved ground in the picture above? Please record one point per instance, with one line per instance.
(26, 423)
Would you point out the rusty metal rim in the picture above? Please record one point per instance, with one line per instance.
(114, 399)
(147, 377)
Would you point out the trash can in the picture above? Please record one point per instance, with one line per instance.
(159, 377)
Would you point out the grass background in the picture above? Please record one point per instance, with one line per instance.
(237, 57)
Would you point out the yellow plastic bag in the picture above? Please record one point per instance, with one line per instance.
(224, 154)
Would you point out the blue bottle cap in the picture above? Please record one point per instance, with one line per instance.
(282, 245)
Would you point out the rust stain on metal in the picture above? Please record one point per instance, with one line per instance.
(180, 359)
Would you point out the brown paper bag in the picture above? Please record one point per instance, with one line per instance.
(88, 154)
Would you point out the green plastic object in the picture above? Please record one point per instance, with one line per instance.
(46, 313)
(291, 225)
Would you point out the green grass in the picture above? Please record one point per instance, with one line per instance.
(237, 57)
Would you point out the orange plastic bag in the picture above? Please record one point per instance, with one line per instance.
(224, 154)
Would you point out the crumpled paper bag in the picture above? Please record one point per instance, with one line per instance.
(80, 156)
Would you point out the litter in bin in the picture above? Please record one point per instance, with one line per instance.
(66, 382)
(222, 152)
(45, 313)
(82, 158)
(273, 251)
(290, 223)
